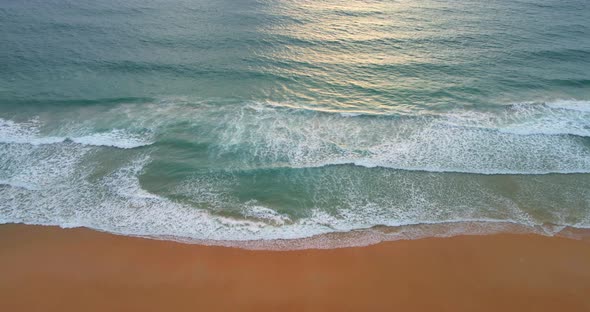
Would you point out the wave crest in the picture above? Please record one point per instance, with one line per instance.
(519, 139)
(29, 133)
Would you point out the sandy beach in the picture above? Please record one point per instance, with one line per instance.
(52, 269)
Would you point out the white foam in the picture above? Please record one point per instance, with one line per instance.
(20, 184)
(526, 119)
(29, 133)
(117, 203)
(576, 105)
(24, 133)
(349, 114)
(39, 167)
(548, 119)
(515, 141)
(527, 138)
(55, 184)
(115, 138)
(252, 210)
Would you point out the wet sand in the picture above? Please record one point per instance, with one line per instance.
(52, 269)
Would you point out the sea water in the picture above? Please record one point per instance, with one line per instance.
(246, 120)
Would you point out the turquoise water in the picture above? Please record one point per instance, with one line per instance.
(284, 119)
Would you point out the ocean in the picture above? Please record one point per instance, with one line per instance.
(280, 120)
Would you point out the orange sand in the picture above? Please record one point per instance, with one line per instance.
(51, 269)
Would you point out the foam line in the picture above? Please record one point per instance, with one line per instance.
(29, 133)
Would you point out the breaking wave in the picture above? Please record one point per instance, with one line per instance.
(28, 133)
(252, 171)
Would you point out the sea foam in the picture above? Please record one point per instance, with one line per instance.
(29, 133)
(519, 139)
(60, 184)
(117, 203)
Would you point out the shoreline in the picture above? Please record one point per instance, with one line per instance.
(363, 237)
(53, 269)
